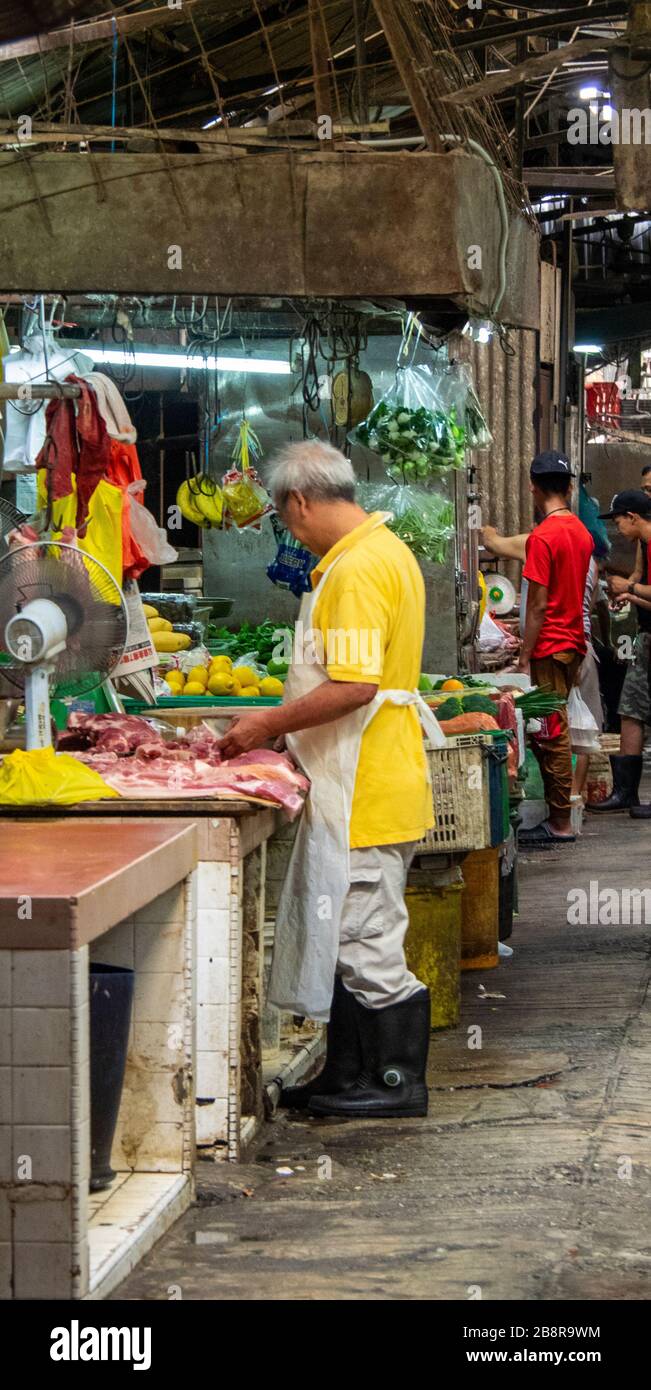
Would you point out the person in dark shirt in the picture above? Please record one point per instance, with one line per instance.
(631, 513)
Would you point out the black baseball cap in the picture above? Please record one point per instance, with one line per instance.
(550, 462)
(631, 500)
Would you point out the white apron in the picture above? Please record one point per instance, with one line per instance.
(318, 874)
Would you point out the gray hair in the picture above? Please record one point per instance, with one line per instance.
(321, 472)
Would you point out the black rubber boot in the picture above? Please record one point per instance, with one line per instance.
(391, 1084)
(343, 1054)
(627, 771)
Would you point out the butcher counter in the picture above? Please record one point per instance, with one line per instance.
(198, 952)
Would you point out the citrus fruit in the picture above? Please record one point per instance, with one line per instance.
(271, 686)
(194, 688)
(221, 683)
(222, 661)
(198, 673)
(452, 684)
(245, 675)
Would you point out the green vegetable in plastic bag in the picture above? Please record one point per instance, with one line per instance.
(423, 519)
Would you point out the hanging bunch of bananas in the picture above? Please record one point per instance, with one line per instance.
(200, 500)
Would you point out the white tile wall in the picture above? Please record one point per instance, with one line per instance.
(213, 925)
(5, 977)
(41, 1095)
(169, 907)
(115, 947)
(5, 1033)
(5, 1271)
(158, 997)
(212, 1075)
(213, 884)
(6, 1107)
(212, 1028)
(42, 1270)
(48, 1147)
(41, 1037)
(156, 945)
(212, 979)
(40, 979)
(45, 1218)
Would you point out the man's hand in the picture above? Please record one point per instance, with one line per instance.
(245, 732)
(617, 584)
(486, 535)
(522, 666)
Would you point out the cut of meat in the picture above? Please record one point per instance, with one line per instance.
(137, 761)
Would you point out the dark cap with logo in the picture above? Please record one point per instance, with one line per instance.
(631, 500)
(550, 462)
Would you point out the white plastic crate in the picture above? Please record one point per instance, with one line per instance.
(460, 792)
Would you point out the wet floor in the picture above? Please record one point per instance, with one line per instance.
(531, 1176)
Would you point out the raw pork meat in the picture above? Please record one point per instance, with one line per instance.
(136, 761)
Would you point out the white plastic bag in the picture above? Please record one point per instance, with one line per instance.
(148, 535)
(491, 637)
(584, 734)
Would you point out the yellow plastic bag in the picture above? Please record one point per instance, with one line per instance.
(244, 497)
(43, 775)
(103, 539)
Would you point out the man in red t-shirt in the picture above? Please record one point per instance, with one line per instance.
(558, 554)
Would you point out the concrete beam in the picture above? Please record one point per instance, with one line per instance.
(363, 225)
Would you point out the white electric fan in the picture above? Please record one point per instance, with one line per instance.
(63, 623)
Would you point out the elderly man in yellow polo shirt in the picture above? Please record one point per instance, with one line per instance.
(351, 718)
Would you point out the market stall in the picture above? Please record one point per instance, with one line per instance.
(133, 636)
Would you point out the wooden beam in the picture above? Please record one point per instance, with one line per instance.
(94, 31)
(263, 135)
(403, 59)
(320, 51)
(552, 21)
(570, 180)
(522, 72)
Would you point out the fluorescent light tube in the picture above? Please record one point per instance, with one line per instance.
(180, 360)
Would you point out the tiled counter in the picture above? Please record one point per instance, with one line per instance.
(71, 892)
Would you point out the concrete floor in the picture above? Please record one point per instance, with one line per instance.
(531, 1178)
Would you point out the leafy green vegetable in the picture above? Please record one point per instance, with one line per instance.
(415, 444)
(450, 709)
(539, 702)
(478, 704)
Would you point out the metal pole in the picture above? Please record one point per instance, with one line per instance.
(566, 319)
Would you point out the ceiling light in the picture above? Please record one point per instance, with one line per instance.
(592, 349)
(183, 360)
(589, 93)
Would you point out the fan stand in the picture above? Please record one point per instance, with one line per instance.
(38, 728)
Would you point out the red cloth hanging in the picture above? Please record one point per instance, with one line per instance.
(94, 450)
(59, 454)
(124, 468)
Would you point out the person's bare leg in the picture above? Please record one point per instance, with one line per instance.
(580, 775)
(632, 738)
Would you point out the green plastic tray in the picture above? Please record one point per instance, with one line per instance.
(199, 701)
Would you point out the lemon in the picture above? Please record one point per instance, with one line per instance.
(237, 689)
(198, 673)
(245, 676)
(271, 686)
(175, 680)
(194, 688)
(221, 683)
(221, 663)
(250, 692)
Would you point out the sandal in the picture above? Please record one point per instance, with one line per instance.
(543, 837)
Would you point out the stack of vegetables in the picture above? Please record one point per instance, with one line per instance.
(471, 705)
